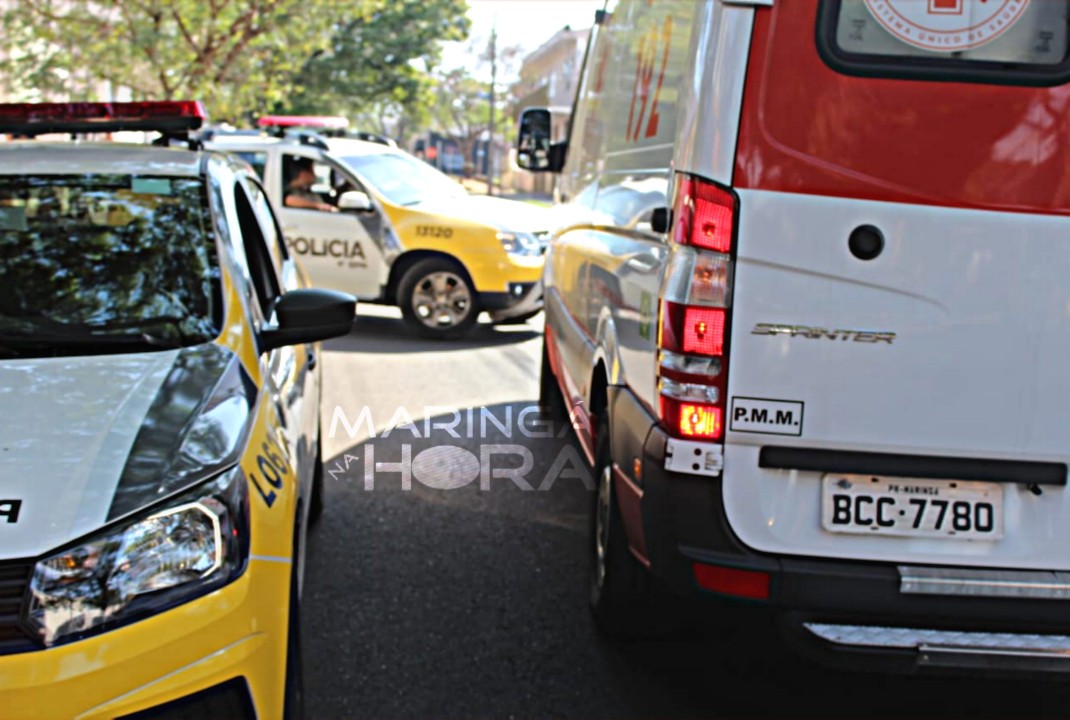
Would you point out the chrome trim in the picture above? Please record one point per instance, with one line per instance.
(1031, 584)
(945, 641)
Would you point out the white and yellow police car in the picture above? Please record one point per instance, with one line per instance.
(389, 228)
(159, 424)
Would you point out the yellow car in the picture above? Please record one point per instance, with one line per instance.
(159, 425)
(372, 220)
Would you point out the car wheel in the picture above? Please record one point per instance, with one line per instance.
(294, 701)
(315, 502)
(622, 599)
(437, 300)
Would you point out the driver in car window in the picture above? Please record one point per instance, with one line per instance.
(299, 188)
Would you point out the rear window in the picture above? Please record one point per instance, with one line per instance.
(258, 161)
(1013, 42)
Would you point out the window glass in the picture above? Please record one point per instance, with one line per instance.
(1010, 40)
(106, 263)
(403, 179)
(310, 184)
(261, 268)
(269, 225)
(257, 159)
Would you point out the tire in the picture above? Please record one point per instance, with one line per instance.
(315, 502)
(294, 701)
(622, 600)
(437, 300)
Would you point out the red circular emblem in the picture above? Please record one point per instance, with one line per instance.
(947, 25)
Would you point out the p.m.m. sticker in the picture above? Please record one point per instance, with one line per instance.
(769, 417)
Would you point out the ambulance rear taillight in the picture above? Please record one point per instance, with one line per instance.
(696, 311)
(32, 119)
(709, 218)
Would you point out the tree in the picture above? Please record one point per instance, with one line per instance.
(462, 100)
(238, 56)
(378, 62)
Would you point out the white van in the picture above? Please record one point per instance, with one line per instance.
(822, 371)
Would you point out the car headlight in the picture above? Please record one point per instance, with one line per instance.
(192, 545)
(521, 244)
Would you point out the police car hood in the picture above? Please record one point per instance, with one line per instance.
(504, 214)
(86, 440)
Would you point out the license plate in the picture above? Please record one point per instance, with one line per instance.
(955, 509)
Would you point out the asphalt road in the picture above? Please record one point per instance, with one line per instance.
(460, 591)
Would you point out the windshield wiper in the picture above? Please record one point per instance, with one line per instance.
(52, 332)
(171, 321)
(47, 338)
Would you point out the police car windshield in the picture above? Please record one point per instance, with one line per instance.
(105, 263)
(403, 179)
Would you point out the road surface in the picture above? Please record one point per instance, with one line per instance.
(460, 592)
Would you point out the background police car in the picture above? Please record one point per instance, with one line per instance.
(405, 234)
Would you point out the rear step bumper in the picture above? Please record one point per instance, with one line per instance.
(970, 621)
(954, 648)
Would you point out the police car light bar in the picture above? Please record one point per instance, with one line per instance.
(328, 122)
(168, 117)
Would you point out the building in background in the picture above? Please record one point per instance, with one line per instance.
(548, 78)
(441, 151)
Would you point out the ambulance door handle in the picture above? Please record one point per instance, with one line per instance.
(866, 242)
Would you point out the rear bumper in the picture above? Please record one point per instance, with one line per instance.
(839, 612)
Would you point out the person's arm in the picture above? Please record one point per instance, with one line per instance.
(297, 200)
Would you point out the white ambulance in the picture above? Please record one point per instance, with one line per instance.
(822, 370)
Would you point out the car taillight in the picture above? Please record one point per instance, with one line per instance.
(710, 218)
(696, 311)
(692, 420)
(690, 329)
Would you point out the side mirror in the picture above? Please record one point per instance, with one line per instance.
(534, 150)
(308, 315)
(355, 200)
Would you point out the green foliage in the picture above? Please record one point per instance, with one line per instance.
(462, 100)
(378, 60)
(462, 104)
(241, 57)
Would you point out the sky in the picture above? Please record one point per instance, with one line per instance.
(527, 23)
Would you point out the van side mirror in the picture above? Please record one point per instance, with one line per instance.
(307, 315)
(534, 150)
(355, 200)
